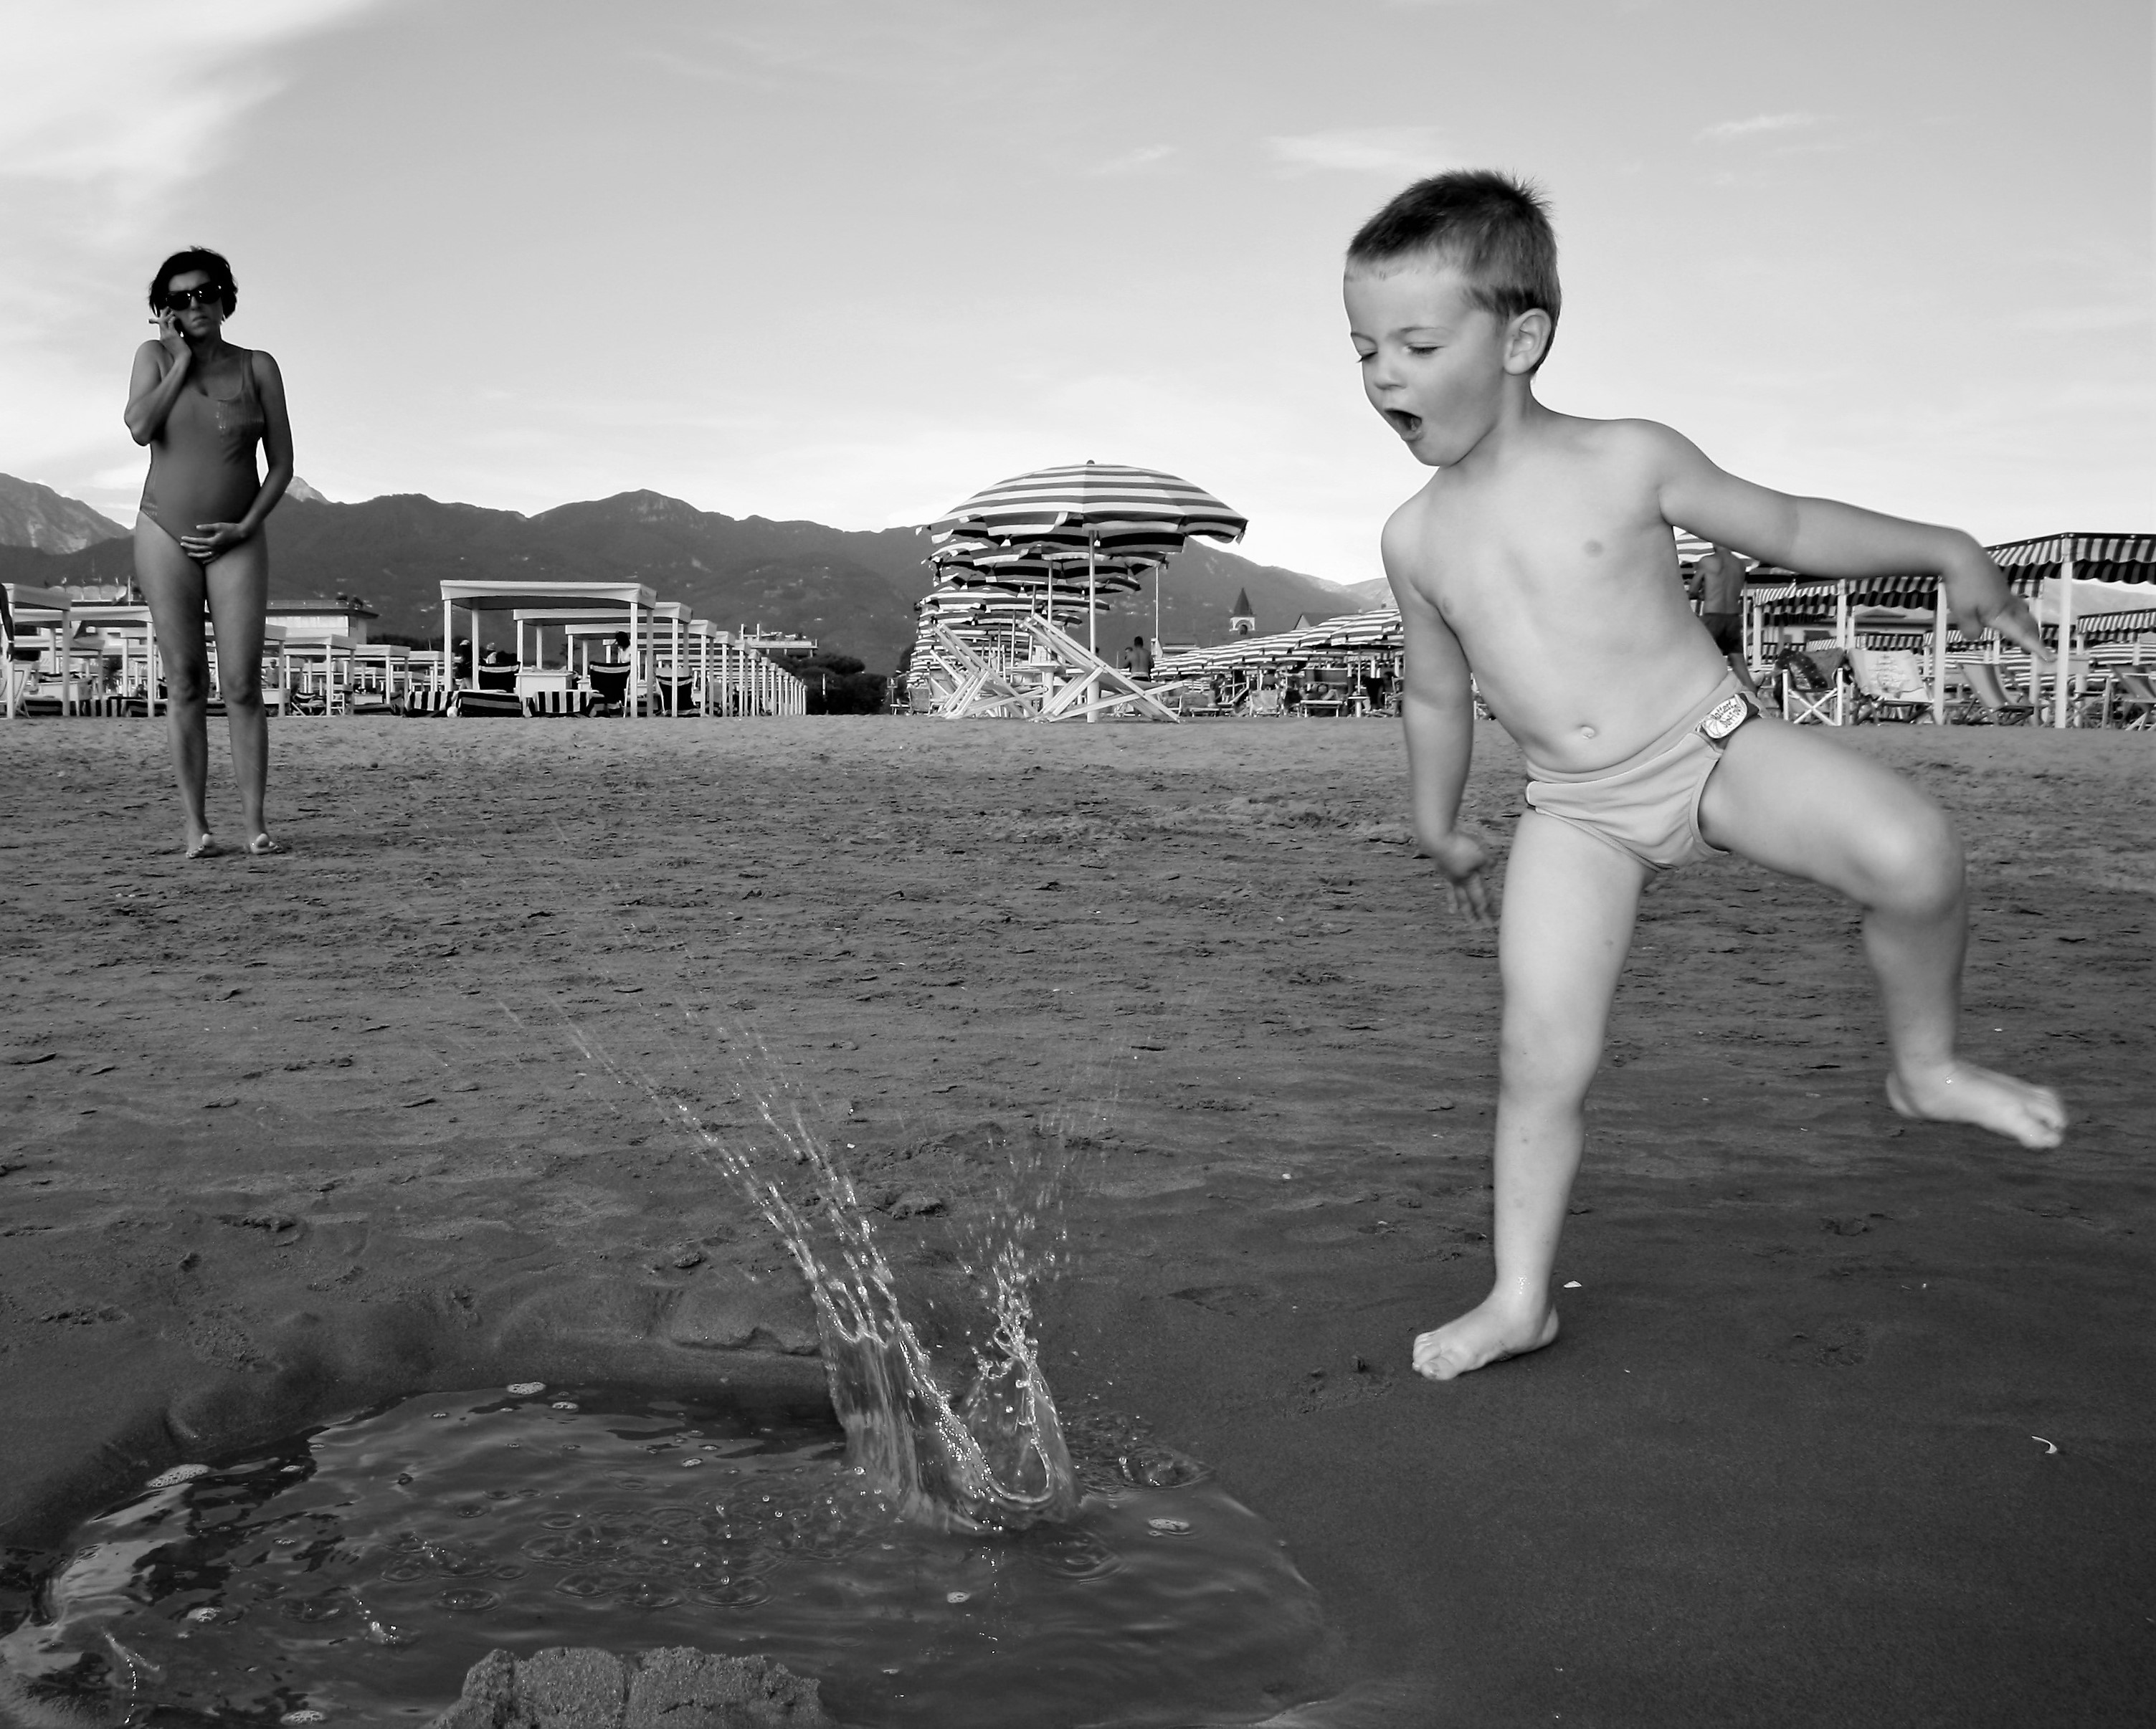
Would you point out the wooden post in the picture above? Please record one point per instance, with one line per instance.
(2062, 668)
(1939, 655)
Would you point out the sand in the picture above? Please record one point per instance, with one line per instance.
(280, 1133)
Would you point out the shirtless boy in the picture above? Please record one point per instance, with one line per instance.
(1539, 558)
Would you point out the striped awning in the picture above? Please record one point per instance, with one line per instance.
(1094, 501)
(2098, 557)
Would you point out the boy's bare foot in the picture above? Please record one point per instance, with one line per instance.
(1961, 1092)
(1488, 1333)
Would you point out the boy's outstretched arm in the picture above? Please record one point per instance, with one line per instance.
(1822, 537)
(1437, 711)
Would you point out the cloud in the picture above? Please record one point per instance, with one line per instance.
(132, 97)
(2083, 320)
(1133, 161)
(1727, 131)
(1364, 150)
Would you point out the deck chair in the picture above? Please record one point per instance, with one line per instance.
(1267, 701)
(1813, 689)
(2130, 693)
(1987, 701)
(1097, 688)
(609, 688)
(1331, 691)
(979, 687)
(1890, 685)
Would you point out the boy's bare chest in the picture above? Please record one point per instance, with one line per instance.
(1548, 543)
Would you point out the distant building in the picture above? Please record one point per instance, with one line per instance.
(344, 615)
(1242, 621)
(1302, 621)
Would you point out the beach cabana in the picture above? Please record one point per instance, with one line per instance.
(630, 603)
(49, 612)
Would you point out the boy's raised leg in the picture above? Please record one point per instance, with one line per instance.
(1797, 804)
(1568, 906)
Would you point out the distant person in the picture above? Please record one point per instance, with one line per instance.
(1536, 563)
(202, 406)
(1717, 584)
(1138, 660)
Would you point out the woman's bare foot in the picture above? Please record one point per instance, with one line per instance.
(1961, 1092)
(203, 845)
(1490, 1332)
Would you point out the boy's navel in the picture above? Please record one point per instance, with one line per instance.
(1593, 549)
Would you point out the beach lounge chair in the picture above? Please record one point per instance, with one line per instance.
(1095, 687)
(609, 688)
(1890, 685)
(1267, 701)
(1987, 700)
(2129, 694)
(1331, 691)
(978, 688)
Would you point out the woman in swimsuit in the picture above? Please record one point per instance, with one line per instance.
(202, 406)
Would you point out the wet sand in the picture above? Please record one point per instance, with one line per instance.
(280, 1132)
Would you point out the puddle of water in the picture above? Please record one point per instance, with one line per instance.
(359, 1570)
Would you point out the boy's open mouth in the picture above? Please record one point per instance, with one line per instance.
(1405, 425)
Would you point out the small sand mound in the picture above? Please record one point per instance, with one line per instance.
(679, 1688)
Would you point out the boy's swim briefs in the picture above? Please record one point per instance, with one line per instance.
(1648, 806)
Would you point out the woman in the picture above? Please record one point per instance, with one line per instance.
(202, 406)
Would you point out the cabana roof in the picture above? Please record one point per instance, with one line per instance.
(476, 597)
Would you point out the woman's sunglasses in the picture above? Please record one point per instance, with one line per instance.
(180, 299)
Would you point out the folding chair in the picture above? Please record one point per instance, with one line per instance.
(1987, 700)
(1812, 694)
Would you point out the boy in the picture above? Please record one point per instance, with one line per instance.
(1539, 558)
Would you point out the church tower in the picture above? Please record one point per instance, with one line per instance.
(1242, 621)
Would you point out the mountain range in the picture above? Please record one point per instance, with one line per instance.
(37, 516)
(852, 590)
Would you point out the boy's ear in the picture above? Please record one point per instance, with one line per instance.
(1525, 338)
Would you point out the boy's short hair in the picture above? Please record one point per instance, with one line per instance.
(212, 264)
(1494, 230)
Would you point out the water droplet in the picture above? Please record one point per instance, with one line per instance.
(201, 1615)
(690, 1464)
(956, 1596)
(309, 1715)
(178, 1474)
(564, 1404)
(466, 1600)
(1168, 1527)
(525, 1389)
(438, 1414)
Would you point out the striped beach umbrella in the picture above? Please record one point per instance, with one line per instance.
(1030, 567)
(1100, 506)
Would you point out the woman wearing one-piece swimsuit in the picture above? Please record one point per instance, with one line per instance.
(202, 406)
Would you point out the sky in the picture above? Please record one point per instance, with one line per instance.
(853, 260)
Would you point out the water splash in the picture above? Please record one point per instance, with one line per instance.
(992, 1458)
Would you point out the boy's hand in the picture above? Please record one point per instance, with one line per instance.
(1463, 860)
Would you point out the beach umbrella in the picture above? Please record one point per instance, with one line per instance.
(1100, 506)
